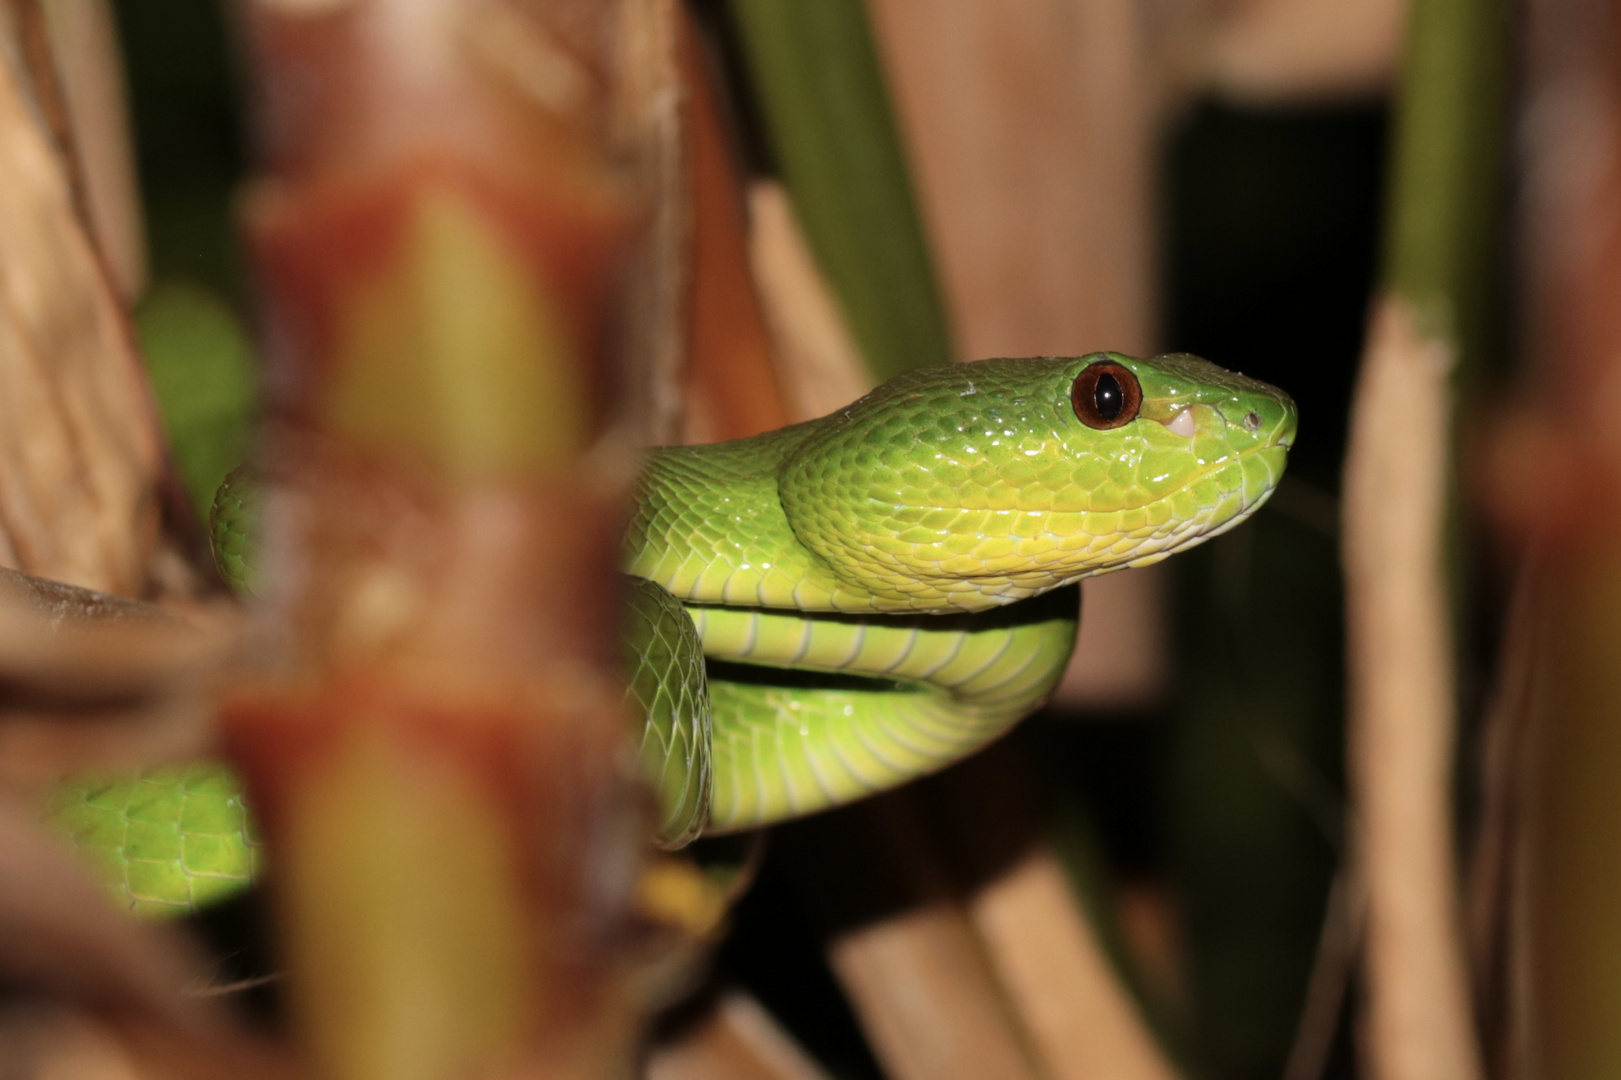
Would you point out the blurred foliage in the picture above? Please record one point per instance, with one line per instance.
(829, 125)
(205, 379)
(189, 153)
(189, 137)
(1444, 178)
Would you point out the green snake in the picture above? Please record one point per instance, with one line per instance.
(828, 610)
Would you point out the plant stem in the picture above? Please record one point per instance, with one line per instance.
(829, 122)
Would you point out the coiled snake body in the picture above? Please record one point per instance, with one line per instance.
(828, 610)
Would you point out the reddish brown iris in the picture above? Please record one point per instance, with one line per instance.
(1106, 395)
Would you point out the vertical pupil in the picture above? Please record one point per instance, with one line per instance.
(1107, 397)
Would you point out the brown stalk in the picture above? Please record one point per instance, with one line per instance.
(90, 681)
(80, 455)
(653, 110)
(85, 42)
(86, 678)
(31, 36)
(819, 364)
(1494, 893)
(1401, 701)
(1397, 546)
(1339, 948)
(734, 1039)
(1556, 483)
(1046, 952)
(1273, 51)
(732, 383)
(903, 945)
(1006, 114)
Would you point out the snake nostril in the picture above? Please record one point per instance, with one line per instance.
(1252, 421)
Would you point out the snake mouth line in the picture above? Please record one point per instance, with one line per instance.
(1184, 425)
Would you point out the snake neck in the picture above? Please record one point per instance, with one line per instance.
(708, 525)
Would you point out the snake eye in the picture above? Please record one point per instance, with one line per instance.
(1106, 395)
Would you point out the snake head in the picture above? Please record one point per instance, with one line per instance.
(974, 485)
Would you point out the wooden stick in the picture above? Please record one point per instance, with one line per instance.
(80, 453)
(1401, 704)
(652, 115)
(1046, 952)
(820, 366)
(1423, 337)
(85, 41)
(904, 949)
(1069, 996)
(735, 1039)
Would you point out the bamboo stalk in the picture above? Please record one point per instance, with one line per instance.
(1397, 494)
(436, 748)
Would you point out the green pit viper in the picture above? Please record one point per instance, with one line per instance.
(826, 611)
